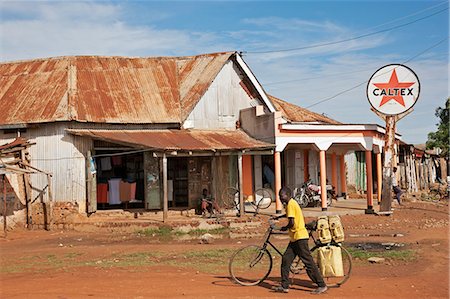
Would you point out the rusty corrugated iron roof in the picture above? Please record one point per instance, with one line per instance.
(295, 113)
(105, 89)
(183, 140)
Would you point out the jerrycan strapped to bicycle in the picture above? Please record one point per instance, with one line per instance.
(323, 230)
(330, 229)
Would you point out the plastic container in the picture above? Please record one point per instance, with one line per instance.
(330, 261)
(323, 230)
(337, 231)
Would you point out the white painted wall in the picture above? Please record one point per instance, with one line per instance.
(220, 105)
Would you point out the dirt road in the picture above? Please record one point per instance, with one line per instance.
(68, 264)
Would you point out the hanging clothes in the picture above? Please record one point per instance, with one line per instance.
(114, 191)
(102, 193)
(124, 191)
(105, 163)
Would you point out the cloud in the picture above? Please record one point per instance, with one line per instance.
(83, 28)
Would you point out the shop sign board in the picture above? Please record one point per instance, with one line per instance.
(393, 89)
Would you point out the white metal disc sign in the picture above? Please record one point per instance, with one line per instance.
(393, 89)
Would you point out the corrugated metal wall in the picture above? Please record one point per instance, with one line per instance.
(62, 155)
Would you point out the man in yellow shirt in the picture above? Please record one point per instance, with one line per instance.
(298, 245)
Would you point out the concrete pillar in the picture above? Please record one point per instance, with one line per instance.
(343, 176)
(323, 180)
(334, 170)
(379, 177)
(305, 165)
(369, 209)
(279, 205)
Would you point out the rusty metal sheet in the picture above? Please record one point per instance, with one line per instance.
(295, 113)
(32, 91)
(184, 140)
(105, 89)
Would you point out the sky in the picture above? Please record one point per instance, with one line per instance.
(316, 54)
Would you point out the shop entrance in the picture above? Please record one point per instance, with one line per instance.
(177, 181)
(120, 180)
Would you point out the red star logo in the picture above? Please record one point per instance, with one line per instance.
(393, 90)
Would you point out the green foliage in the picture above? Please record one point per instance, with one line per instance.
(440, 138)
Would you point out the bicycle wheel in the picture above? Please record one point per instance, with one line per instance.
(250, 265)
(263, 198)
(230, 198)
(298, 268)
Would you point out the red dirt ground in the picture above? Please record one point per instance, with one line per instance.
(40, 264)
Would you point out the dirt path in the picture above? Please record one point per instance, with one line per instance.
(41, 264)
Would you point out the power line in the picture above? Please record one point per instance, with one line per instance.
(365, 82)
(348, 39)
(336, 74)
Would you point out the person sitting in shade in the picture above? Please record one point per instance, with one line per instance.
(398, 192)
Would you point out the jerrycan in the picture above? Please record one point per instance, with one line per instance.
(337, 231)
(330, 261)
(323, 230)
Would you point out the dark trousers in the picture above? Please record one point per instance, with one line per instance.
(398, 193)
(299, 248)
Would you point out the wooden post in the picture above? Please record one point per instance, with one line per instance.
(241, 189)
(91, 178)
(4, 206)
(50, 203)
(26, 180)
(165, 195)
(278, 204)
(323, 180)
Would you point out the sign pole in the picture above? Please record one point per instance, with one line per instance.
(389, 162)
(391, 99)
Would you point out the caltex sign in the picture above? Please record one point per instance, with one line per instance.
(393, 89)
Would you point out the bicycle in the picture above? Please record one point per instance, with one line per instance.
(262, 199)
(252, 264)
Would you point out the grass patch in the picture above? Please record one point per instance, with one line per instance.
(168, 232)
(163, 231)
(208, 261)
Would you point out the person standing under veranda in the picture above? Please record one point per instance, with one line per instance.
(298, 245)
(398, 192)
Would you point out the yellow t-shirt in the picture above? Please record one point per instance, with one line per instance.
(298, 231)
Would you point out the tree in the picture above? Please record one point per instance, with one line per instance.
(440, 138)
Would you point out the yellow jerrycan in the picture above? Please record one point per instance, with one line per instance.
(337, 231)
(330, 261)
(323, 230)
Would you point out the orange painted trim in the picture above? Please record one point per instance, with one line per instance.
(305, 165)
(286, 133)
(334, 178)
(343, 174)
(247, 175)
